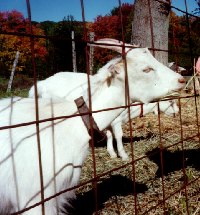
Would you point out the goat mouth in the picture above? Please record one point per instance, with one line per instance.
(174, 93)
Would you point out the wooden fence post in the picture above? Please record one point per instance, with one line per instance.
(73, 53)
(13, 72)
(91, 56)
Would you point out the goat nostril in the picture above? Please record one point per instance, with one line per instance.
(181, 80)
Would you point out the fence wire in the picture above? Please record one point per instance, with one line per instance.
(100, 172)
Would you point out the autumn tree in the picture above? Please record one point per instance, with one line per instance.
(105, 26)
(14, 22)
(110, 26)
(126, 11)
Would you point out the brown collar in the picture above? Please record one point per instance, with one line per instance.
(88, 120)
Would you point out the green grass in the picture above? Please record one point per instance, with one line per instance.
(17, 92)
(20, 86)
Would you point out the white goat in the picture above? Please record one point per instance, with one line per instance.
(65, 142)
(66, 85)
(168, 107)
(72, 85)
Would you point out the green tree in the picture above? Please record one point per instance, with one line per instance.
(180, 40)
(60, 46)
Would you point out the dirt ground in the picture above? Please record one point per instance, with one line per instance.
(162, 175)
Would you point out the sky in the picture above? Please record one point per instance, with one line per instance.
(56, 10)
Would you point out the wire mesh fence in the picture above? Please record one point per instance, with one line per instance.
(160, 176)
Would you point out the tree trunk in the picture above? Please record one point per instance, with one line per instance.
(150, 26)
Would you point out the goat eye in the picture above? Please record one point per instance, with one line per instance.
(148, 69)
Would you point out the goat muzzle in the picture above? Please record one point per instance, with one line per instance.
(181, 80)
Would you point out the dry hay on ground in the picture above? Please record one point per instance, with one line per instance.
(115, 191)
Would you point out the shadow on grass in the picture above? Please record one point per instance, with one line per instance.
(124, 140)
(116, 185)
(173, 161)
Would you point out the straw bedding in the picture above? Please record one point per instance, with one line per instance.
(148, 186)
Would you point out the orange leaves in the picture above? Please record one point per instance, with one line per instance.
(15, 22)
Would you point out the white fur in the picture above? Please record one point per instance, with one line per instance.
(68, 85)
(168, 107)
(74, 84)
(159, 81)
(65, 142)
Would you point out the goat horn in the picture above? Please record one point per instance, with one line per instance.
(113, 44)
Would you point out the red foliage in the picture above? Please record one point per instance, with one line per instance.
(15, 22)
(110, 26)
(106, 26)
(12, 21)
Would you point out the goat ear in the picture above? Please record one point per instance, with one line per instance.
(113, 70)
(113, 44)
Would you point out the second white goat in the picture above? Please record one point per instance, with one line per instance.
(168, 107)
